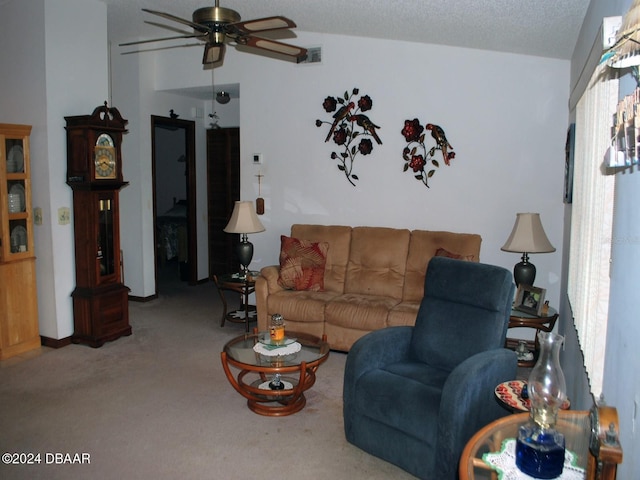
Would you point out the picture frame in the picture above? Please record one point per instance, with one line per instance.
(568, 163)
(530, 299)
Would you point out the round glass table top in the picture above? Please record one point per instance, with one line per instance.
(312, 350)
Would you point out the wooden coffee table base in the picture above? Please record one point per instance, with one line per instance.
(298, 378)
(272, 403)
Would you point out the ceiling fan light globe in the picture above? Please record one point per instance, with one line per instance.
(223, 97)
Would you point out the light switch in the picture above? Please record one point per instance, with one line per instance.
(64, 216)
(37, 216)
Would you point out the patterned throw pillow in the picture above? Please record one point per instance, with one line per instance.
(302, 264)
(441, 252)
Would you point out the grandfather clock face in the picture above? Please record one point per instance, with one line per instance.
(105, 157)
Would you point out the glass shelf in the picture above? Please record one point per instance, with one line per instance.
(16, 235)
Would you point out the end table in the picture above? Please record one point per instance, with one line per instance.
(543, 323)
(585, 434)
(245, 287)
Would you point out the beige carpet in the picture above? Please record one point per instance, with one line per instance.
(158, 405)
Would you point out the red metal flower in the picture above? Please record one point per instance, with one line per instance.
(417, 163)
(412, 130)
(330, 104)
(365, 103)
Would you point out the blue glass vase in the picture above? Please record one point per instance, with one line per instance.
(540, 448)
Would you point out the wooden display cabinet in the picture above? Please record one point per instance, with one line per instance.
(19, 331)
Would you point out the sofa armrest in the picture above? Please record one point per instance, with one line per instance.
(266, 284)
(468, 403)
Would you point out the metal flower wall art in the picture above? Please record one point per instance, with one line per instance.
(350, 129)
(420, 158)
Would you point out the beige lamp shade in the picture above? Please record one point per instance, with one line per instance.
(244, 219)
(528, 235)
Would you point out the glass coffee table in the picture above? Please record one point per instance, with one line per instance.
(274, 381)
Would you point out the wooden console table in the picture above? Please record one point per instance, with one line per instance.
(596, 448)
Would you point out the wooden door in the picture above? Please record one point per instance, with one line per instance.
(223, 183)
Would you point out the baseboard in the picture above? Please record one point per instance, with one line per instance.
(54, 343)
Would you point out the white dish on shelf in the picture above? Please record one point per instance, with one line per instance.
(19, 238)
(18, 189)
(14, 203)
(15, 159)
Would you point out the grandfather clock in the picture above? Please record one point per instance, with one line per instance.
(94, 172)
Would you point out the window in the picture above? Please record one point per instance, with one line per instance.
(591, 222)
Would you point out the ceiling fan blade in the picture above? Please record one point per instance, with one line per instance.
(298, 53)
(168, 16)
(262, 24)
(213, 53)
(138, 42)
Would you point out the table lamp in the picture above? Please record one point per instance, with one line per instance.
(527, 237)
(243, 221)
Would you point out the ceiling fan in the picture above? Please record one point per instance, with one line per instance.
(218, 25)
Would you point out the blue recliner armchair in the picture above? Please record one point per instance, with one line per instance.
(414, 396)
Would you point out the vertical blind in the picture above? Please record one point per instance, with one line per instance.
(591, 222)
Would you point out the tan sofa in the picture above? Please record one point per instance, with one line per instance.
(373, 278)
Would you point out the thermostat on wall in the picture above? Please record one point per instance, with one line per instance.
(257, 159)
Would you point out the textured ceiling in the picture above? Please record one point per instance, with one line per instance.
(547, 28)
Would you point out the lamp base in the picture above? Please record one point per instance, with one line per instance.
(540, 452)
(245, 254)
(524, 272)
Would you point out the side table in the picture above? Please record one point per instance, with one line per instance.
(245, 287)
(593, 451)
(543, 323)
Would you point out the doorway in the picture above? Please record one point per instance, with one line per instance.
(174, 200)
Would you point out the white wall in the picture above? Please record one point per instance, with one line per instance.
(133, 89)
(43, 84)
(505, 115)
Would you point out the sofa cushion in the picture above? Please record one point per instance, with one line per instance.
(302, 264)
(378, 261)
(360, 312)
(299, 306)
(423, 246)
(339, 239)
